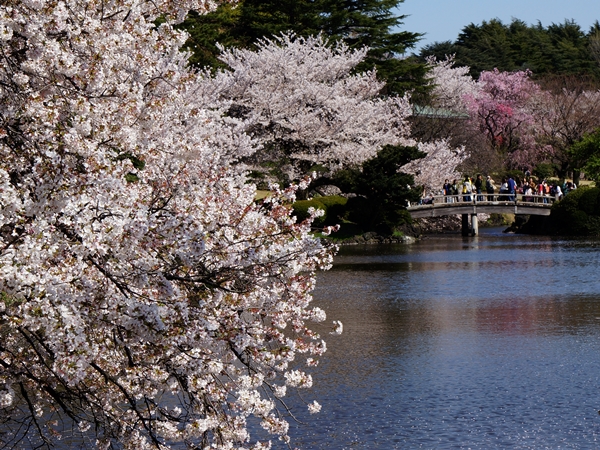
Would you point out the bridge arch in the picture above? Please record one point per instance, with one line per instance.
(446, 205)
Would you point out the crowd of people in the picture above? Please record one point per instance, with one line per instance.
(486, 190)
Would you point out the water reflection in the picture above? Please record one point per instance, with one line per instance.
(484, 343)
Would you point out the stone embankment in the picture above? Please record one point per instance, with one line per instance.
(421, 227)
(374, 238)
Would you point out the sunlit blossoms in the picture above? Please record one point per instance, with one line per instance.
(440, 163)
(450, 84)
(504, 111)
(299, 99)
(147, 301)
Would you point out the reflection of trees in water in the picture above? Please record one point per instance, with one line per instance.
(379, 303)
(373, 322)
(452, 336)
(541, 316)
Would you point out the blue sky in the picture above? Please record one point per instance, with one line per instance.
(442, 20)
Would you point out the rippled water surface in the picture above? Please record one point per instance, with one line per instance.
(481, 343)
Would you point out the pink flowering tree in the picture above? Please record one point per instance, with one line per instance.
(503, 111)
(146, 299)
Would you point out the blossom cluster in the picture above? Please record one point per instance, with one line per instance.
(439, 164)
(451, 84)
(146, 298)
(504, 112)
(299, 98)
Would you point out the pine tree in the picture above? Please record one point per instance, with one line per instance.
(358, 23)
(371, 23)
(559, 49)
(208, 30)
(259, 19)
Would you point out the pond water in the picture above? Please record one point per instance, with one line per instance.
(450, 343)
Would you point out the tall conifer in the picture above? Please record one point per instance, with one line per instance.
(559, 49)
(372, 23)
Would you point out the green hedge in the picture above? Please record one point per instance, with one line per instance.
(334, 207)
(578, 213)
(357, 210)
(301, 210)
(332, 200)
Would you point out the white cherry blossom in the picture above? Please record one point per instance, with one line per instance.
(147, 300)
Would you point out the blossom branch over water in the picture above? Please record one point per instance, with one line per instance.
(147, 299)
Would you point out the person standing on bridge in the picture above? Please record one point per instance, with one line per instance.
(454, 191)
(467, 189)
(512, 188)
(447, 188)
(503, 190)
(479, 187)
(527, 192)
(490, 188)
(557, 192)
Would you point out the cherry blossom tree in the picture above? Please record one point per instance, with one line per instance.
(299, 99)
(442, 123)
(504, 112)
(450, 84)
(146, 299)
(441, 162)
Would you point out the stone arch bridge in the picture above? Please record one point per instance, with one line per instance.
(468, 206)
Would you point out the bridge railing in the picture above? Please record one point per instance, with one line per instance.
(487, 199)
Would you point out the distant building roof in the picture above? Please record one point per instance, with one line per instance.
(438, 113)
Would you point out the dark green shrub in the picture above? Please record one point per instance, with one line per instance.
(383, 191)
(597, 205)
(577, 213)
(563, 211)
(578, 224)
(363, 212)
(332, 200)
(403, 217)
(588, 199)
(301, 210)
(347, 230)
(593, 226)
(336, 208)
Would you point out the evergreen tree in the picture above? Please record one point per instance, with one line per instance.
(586, 155)
(370, 23)
(559, 49)
(594, 41)
(383, 189)
(358, 23)
(208, 30)
(259, 19)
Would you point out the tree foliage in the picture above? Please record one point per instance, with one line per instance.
(586, 155)
(370, 23)
(557, 49)
(298, 99)
(382, 186)
(513, 118)
(578, 214)
(568, 109)
(440, 162)
(207, 31)
(504, 112)
(146, 299)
